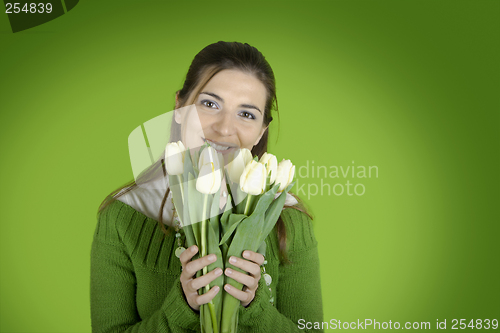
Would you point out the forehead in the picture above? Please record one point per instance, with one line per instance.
(237, 86)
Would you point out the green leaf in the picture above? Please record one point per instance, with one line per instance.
(273, 213)
(224, 247)
(231, 187)
(219, 281)
(274, 210)
(230, 220)
(241, 200)
(262, 248)
(248, 236)
(265, 199)
(253, 230)
(234, 221)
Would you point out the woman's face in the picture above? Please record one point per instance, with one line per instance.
(230, 113)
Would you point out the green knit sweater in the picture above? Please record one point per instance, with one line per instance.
(135, 284)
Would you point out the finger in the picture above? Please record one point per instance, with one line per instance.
(242, 278)
(247, 266)
(205, 279)
(254, 256)
(207, 297)
(194, 266)
(188, 254)
(244, 296)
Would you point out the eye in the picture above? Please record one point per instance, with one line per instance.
(247, 114)
(208, 103)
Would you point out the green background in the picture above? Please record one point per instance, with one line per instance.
(411, 87)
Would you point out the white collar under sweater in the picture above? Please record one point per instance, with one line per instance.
(147, 199)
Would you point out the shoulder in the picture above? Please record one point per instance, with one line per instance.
(115, 220)
(147, 199)
(299, 230)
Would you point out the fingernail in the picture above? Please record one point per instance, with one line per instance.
(212, 257)
(232, 260)
(246, 254)
(229, 271)
(227, 287)
(216, 289)
(194, 248)
(218, 271)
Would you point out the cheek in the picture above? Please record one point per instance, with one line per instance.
(250, 135)
(206, 120)
(193, 124)
(192, 131)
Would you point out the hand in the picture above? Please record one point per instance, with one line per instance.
(190, 285)
(250, 281)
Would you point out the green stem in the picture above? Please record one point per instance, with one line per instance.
(204, 236)
(247, 206)
(204, 249)
(182, 187)
(211, 307)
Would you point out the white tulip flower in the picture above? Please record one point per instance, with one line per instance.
(272, 165)
(285, 173)
(239, 159)
(253, 178)
(210, 155)
(174, 158)
(209, 179)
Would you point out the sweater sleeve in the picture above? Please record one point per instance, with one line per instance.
(113, 290)
(299, 302)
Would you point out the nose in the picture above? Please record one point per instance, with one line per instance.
(224, 125)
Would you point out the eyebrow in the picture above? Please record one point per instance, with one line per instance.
(250, 106)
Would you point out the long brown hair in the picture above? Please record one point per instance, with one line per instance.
(207, 63)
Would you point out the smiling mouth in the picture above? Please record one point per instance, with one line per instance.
(219, 147)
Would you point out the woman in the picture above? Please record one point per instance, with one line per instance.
(139, 285)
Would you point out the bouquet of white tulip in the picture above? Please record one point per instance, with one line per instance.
(257, 193)
(195, 183)
(258, 199)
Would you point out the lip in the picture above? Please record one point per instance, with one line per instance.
(231, 146)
